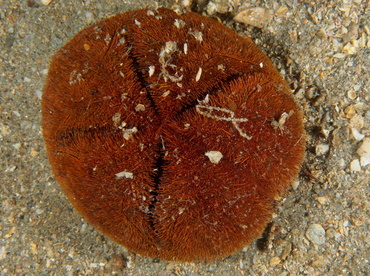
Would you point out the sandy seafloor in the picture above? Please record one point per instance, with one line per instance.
(321, 47)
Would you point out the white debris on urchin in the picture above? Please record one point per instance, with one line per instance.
(214, 156)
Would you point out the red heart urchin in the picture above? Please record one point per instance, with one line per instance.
(170, 133)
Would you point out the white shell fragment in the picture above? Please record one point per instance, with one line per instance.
(45, 2)
(356, 134)
(128, 132)
(355, 166)
(364, 161)
(214, 156)
(197, 77)
(140, 107)
(364, 149)
(125, 174)
(322, 149)
(151, 70)
(258, 17)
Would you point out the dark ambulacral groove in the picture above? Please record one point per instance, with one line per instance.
(170, 133)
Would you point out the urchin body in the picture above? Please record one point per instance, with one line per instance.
(170, 133)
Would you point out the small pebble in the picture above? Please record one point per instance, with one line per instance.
(316, 234)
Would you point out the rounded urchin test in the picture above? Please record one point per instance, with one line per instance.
(170, 133)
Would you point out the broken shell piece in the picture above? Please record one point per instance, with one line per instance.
(356, 134)
(322, 149)
(214, 156)
(258, 17)
(355, 166)
(125, 174)
(364, 149)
